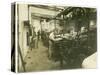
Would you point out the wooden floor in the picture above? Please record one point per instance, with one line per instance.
(37, 60)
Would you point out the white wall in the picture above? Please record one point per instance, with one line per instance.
(22, 16)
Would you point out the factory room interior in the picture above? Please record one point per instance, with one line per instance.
(52, 37)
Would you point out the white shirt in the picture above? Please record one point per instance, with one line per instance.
(52, 37)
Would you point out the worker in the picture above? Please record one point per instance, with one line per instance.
(53, 37)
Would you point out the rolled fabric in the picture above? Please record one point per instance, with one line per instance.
(90, 62)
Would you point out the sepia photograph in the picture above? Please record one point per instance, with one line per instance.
(53, 37)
